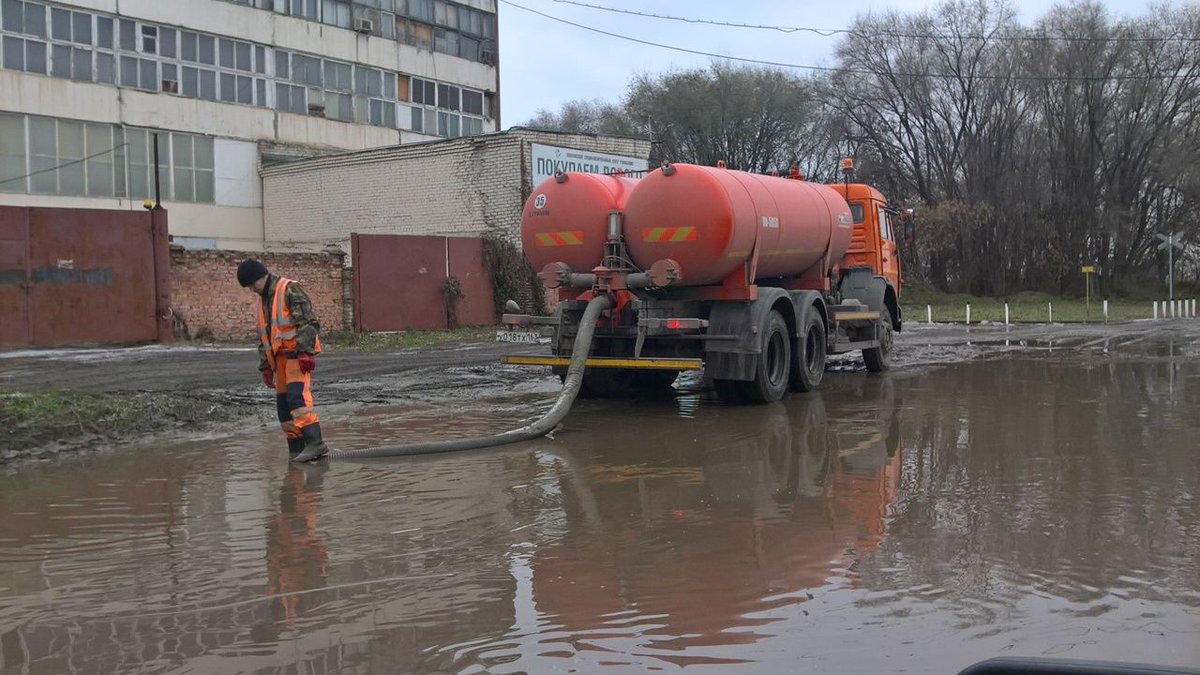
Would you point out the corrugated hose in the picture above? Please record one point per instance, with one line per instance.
(543, 426)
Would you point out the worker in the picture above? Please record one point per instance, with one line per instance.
(288, 345)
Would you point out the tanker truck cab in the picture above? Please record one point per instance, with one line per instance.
(873, 242)
(752, 279)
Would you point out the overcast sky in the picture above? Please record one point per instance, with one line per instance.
(544, 63)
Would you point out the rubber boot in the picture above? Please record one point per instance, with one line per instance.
(314, 447)
(295, 447)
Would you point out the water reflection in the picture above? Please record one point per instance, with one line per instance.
(296, 553)
(1015, 506)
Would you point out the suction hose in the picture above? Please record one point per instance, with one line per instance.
(571, 383)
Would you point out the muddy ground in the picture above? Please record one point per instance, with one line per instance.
(190, 391)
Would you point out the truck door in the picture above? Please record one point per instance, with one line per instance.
(889, 260)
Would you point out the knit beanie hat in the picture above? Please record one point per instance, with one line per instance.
(250, 271)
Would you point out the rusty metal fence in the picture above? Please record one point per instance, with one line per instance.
(83, 276)
(399, 281)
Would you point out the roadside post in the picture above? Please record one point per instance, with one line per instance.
(928, 313)
(968, 314)
(1050, 309)
(1088, 271)
(1170, 242)
(1105, 311)
(1006, 315)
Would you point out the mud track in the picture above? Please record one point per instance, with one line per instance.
(204, 389)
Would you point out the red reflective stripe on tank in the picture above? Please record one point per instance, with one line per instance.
(684, 234)
(571, 238)
(669, 234)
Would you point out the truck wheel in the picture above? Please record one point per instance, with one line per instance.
(808, 359)
(879, 359)
(774, 363)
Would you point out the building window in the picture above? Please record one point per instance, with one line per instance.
(128, 35)
(149, 39)
(27, 18)
(472, 102)
(306, 9)
(25, 55)
(291, 98)
(336, 13)
(192, 169)
(12, 154)
(42, 155)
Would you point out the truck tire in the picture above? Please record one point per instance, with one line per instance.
(808, 358)
(879, 359)
(774, 363)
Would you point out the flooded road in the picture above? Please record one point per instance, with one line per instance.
(1034, 503)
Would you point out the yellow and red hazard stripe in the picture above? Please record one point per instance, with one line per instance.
(669, 234)
(571, 238)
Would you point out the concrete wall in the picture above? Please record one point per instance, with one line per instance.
(207, 299)
(462, 187)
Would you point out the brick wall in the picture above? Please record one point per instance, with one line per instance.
(459, 187)
(207, 299)
(612, 145)
(464, 187)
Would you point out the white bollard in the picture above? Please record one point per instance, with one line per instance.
(1006, 315)
(1050, 308)
(1105, 311)
(928, 314)
(968, 314)
(1173, 304)
(1155, 306)
(1193, 308)
(1164, 309)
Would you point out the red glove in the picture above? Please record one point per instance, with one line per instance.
(268, 376)
(308, 362)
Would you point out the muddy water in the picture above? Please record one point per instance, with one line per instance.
(1036, 504)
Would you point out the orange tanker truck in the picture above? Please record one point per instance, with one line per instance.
(753, 279)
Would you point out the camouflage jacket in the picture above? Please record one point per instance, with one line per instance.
(300, 305)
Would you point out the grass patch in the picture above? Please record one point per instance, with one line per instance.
(32, 423)
(409, 339)
(33, 419)
(1025, 307)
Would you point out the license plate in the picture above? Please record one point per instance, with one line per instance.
(521, 337)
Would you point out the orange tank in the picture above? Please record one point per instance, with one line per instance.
(709, 221)
(566, 218)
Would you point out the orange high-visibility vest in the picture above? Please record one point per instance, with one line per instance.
(279, 336)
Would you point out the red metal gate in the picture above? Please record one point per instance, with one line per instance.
(83, 276)
(398, 281)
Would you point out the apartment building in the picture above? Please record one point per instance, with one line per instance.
(226, 87)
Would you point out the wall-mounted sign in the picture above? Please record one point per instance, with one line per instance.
(548, 158)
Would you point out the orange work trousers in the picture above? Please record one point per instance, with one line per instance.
(293, 396)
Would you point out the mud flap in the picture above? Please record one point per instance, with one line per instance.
(737, 359)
